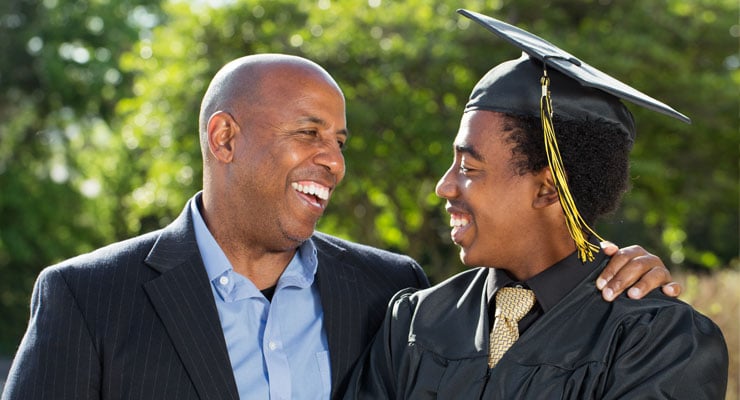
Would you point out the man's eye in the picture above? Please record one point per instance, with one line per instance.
(309, 132)
(464, 169)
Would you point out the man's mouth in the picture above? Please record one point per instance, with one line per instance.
(314, 193)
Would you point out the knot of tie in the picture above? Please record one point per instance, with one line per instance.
(512, 304)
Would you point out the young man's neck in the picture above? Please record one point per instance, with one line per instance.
(541, 256)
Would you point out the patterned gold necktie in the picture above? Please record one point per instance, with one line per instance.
(511, 305)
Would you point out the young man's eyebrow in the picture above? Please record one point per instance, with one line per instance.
(470, 150)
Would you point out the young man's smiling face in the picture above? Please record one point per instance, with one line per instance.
(490, 205)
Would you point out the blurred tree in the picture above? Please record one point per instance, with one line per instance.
(110, 138)
(406, 69)
(59, 83)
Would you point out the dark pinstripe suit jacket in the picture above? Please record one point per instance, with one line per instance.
(137, 319)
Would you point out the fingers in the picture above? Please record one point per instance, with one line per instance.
(609, 248)
(653, 278)
(635, 269)
(672, 289)
(620, 258)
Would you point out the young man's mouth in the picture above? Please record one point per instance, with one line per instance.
(459, 223)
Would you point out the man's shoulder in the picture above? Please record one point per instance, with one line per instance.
(363, 263)
(336, 245)
(130, 250)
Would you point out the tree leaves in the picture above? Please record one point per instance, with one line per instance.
(99, 103)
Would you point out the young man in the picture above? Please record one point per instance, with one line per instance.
(523, 208)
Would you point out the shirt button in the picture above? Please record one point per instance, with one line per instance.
(273, 345)
(223, 280)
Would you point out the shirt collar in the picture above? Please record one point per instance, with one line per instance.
(302, 268)
(300, 271)
(214, 259)
(551, 285)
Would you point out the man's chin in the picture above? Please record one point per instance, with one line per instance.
(298, 237)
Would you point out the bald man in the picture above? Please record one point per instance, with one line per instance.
(239, 297)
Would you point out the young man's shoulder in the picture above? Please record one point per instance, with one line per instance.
(668, 310)
(465, 283)
(449, 298)
(653, 302)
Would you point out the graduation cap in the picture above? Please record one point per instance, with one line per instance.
(547, 81)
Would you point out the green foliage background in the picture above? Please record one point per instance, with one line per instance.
(99, 102)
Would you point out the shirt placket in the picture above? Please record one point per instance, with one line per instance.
(276, 360)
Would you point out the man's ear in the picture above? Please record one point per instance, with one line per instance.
(547, 193)
(222, 129)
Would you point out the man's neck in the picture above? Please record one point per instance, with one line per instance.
(251, 257)
(263, 271)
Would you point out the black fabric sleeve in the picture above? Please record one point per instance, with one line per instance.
(376, 375)
(674, 354)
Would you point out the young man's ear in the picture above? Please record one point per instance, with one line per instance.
(547, 193)
(222, 129)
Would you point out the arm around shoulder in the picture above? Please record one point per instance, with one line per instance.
(57, 357)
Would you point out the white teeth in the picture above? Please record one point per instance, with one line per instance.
(313, 189)
(458, 221)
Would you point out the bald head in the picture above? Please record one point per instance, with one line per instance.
(272, 129)
(236, 87)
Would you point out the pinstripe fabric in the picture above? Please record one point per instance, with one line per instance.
(134, 320)
(137, 320)
(356, 283)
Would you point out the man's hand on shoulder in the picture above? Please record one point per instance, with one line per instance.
(636, 269)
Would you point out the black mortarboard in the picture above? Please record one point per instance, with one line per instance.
(567, 64)
(547, 80)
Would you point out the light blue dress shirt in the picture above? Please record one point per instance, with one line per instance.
(278, 349)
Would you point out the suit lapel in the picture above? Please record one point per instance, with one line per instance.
(182, 298)
(345, 322)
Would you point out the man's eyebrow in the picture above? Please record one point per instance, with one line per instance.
(319, 121)
(470, 150)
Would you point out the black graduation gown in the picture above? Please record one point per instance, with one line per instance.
(434, 344)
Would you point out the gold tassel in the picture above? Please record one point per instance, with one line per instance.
(577, 227)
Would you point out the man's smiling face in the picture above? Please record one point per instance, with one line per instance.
(289, 158)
